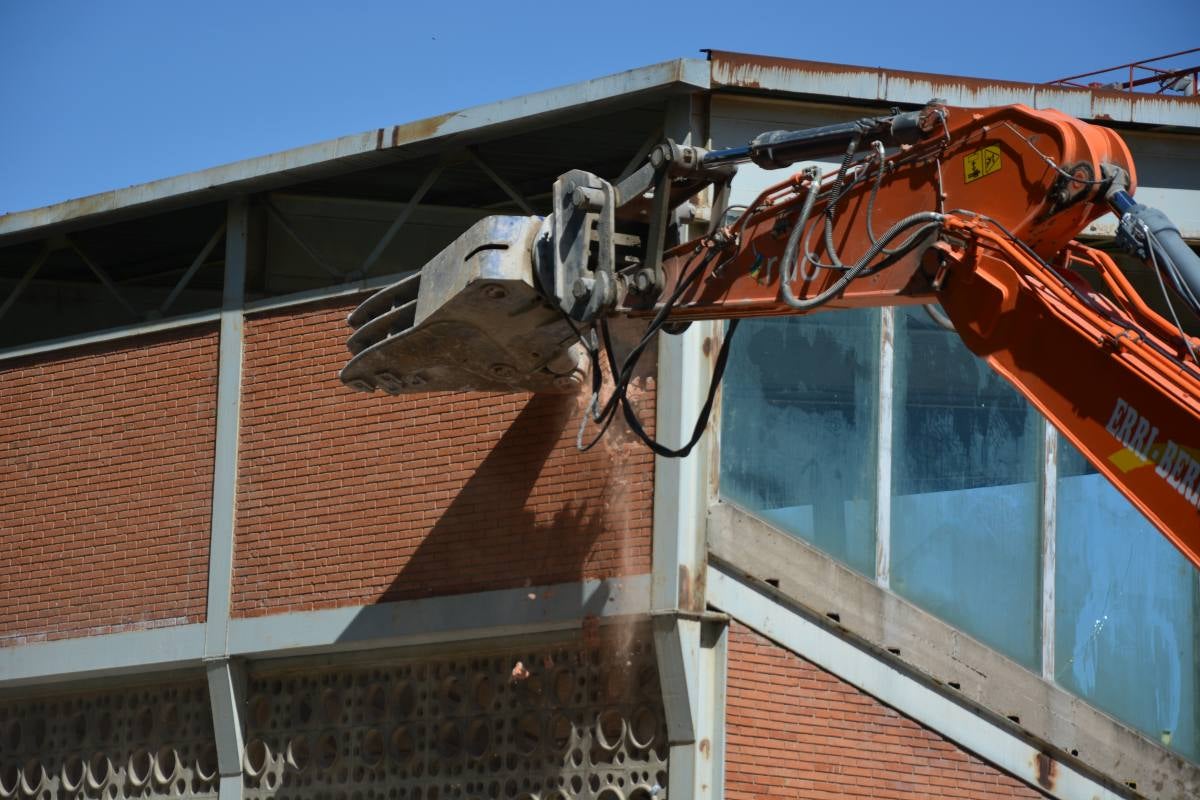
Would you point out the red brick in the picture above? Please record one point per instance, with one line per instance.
(346, 498)
(795, 730)
(106, 461)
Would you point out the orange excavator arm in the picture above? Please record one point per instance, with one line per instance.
(974, 209)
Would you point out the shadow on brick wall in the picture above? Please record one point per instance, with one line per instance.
(527, 514)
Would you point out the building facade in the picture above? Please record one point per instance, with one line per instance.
(881, 574)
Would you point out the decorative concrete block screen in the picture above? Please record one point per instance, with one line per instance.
(147, 742)
(549, 723)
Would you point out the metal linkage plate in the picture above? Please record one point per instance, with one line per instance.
(471, 319)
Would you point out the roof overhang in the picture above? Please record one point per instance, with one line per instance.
(874, 85)
(360, 151)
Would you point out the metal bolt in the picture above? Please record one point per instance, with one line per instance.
(494, 291)
(389, 382)
(587, 198)
(503, 371)
(643, 280)
(582, 287)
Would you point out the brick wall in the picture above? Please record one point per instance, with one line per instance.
(795, 730)
(346, 498)
(106, 467)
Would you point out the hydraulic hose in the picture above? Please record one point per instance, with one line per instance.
(787, 273)
(1171, 254)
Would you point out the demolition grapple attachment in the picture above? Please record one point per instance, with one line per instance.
(501, 308)
(471, 318)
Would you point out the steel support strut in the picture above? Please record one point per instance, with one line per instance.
(689, 644)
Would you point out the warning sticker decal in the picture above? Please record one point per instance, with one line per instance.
(982, 162)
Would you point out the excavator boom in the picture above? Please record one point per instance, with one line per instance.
(973, 209)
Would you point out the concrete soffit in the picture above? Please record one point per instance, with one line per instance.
(929, 670)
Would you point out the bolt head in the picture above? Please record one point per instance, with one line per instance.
(582, 287)
(503, 371)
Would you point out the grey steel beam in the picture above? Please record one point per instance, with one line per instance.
(287, 228)
(499, 181)
(84, 658)
(102, 276)
(29, 275)
(226, 680)
(193, 268)
(398, 222)
(883, 445)
(680, 484)
(502, 613)
(225, 459)
(1054, 774)
(679, 553)
(641, 154)
(227, 694)
(691, 655)
(187, 320)
(797, 577)
(1049, 519)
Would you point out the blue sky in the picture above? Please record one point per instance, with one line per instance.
(100, 95)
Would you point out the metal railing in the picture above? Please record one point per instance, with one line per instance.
(1142, 76)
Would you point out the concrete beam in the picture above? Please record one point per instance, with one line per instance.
(681, 489)
(127, 652)
(814, 79)
(692, 657)
(1048, 772)
(680, 484)
(500, 613)
(229, 403)
(227, 693)
(454, 618)
(918, 643)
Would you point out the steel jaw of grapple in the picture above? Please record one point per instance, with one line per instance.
(470, 319)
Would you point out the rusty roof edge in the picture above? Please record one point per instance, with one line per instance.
(770, 75)
(347, 152)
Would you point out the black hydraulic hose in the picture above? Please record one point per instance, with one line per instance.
(831, 208)
(927, 219)
(787, 272)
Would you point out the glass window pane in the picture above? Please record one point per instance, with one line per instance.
(965, 510)
(1126, 604)
(799, 404)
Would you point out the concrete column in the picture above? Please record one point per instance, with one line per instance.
(225, 678)
(227, 693)
(689, 643)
